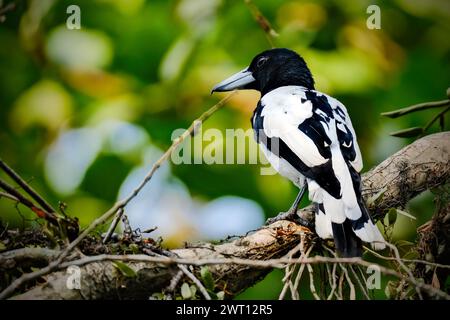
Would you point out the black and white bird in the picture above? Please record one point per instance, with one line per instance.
(308, 137)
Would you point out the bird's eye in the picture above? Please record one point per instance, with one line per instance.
(261, 61)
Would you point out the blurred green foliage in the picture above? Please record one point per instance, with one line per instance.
(152, 64)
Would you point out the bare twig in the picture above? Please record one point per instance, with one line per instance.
(436, 117)
(26, 187)
(113, 225)
(417, 261)
(9, 196)
(361, 285)
(174, 282)
(403, 266)
(300, 272)
(16, 195)
(333, 282)
(265, 25)
(417, 107)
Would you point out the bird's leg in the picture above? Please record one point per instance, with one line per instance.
(291, 214)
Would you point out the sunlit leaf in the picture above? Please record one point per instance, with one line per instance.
(392, 216)
(207, 278)
(186, 292)
(125, 269)
(406, 214)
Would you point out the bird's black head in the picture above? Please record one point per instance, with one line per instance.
(269, 70)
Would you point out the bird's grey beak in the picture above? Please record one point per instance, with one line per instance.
(236, 81)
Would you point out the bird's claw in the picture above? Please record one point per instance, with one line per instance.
(290, 215)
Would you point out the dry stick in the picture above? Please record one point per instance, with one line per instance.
(9, 196)
(433, 264)
(340, 295)
(289, 271)
(334, 284)
(118, 205)
(26, 187)
(363, 288)
(439, 115)
(113, 225)
(195, 280)
(349, 281)
(13, 193)
(304, 254)
(16, 194)
(265, 25)
(312, 287)
(174, 282)
(403, 266)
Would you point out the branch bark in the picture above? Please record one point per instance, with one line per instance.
(422, 165)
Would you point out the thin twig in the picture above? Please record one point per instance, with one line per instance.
(26, 187)
(361, 285)
(197, 282)
(350, 283)
(300, 272)
(312, 287)
(433, 264)
(265, 25)
(334, 284)
(9, 196)
(174, 282)
(27, 202)
(436, 117)
(417, 107)
(403, 266)
(113, 226)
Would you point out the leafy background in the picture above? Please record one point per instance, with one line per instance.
(84, 113)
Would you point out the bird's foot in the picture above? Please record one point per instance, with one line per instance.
(290, 215)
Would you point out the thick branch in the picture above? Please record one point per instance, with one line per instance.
(417, 167)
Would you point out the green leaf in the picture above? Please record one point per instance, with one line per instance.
(134, 248)
(2, 246)
(186, 292)
(391, 289)
(193, 290)
(406, 214)
(392, 216)
(408, 133)
(220, 295)
(207, 278)
(125, 269)
(158, 296)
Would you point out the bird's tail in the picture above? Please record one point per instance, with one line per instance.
(348, 222)
(347, 243)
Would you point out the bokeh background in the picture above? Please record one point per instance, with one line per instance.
(85, 113)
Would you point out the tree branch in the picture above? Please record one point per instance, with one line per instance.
(417, 167)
